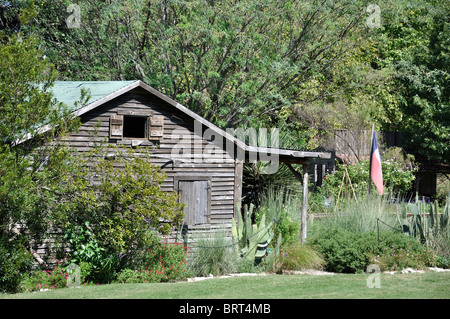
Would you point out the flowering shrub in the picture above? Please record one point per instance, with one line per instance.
(399, 258)
(51, 278)
(161, 262)
(46, 279)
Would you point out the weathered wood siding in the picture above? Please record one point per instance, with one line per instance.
(178, 132)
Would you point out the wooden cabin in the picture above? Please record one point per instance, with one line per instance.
(203, 162)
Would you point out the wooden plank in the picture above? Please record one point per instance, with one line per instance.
(223, 203)
(82, 139)
(95, 124)
(92, 129)
(222, 198)
(194, 193)
(219, 187)
(237, 194)
(222, 192)
(135, 112)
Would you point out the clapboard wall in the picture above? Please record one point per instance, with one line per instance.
(191, 156)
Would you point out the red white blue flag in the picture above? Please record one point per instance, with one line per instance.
(375, 165)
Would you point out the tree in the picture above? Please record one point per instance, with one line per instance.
(228, 61)
(107, 206)
(413, 46)
(425, 77)
(25, 106)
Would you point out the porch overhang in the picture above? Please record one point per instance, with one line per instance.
(286, 156)
(289, 157)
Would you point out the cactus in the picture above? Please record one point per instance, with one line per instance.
(427, 229)
(403, 221)
(253, 240)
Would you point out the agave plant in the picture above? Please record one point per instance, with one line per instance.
(253, 240)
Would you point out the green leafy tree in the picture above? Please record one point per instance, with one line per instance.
(228, 61)
(42, 184)
(25, 106)
(396, 78)
(426, 81)
(106, 205)
(413, 47)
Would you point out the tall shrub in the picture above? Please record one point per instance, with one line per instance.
(109, 203)
(26, 168)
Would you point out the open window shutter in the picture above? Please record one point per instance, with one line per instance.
(116, 126)
(148, 127)
(156, 127)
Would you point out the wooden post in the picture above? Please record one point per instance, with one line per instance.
(304, 203)
(304, 181)
(350, 182)
(238, 171)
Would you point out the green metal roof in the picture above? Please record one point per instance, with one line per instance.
(69, 92)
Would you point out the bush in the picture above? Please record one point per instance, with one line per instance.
(113, 208)
(349, 252)
(98, 265)
(443, 261)
(159, 262)
(15, 263)
(398, 251)
(53, 278)
(344, 251)
(281, 204)
(288, 228)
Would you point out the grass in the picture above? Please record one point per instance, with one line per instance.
(428, 285)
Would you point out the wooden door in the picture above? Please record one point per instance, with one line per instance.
(196, 196)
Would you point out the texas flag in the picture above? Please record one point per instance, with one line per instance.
(375, 165)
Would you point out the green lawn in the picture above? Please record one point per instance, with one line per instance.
(429, 285)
